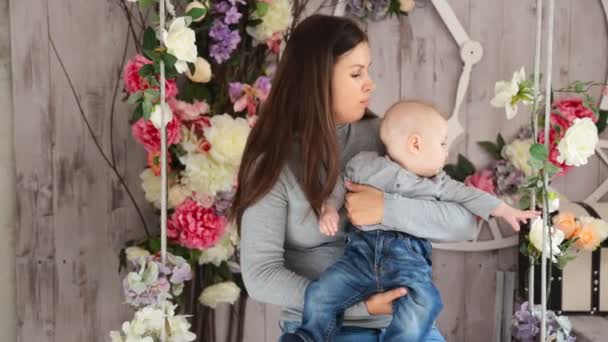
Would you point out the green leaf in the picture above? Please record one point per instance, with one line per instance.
(453, 171)
(465, 165)
(192, 68)
(150, 41)
(539, 152)
(197, 13)
(146, 70)
(154, 245)
(500, 143)
(194, 91)
(170, 61)
(147, 109)
(136, 114)
(261, 8)
(491, 148)
(152, 55)
(601, 122)
(151, 95)
(535, 164)
(551, 169)
(143, 4)
(135, 97)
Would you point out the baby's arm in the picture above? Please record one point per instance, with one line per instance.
(481, 203)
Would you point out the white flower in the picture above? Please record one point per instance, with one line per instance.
(180, 330)
(578, 144)
(115, 336)
(197, 4)
(134, 253)
(226, 292)
(505, 91)
(227, 137)
(151, 185)
(557, 237)
(181, 43)
(406, 5)
(220, 252)
(178, 194)
(277, 19)
(205, 176)
(202, 71)
(155, 116)
(518, 153)
(170, 7)
(553, 201)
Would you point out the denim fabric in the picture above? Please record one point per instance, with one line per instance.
(352, 334)
(375, 261)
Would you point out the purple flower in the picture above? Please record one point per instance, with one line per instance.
(223, 201)
(263, 84)
(221, 7)
(508, 177)
(232, 16)
(225, 41)
(235, 89)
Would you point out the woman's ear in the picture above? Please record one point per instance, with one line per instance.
(413, 143)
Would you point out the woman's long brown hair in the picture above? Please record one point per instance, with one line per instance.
(298, 109)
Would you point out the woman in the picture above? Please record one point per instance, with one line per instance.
(311, 124)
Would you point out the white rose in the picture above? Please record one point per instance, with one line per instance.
(156, 113)
(133, 253)
(177, 195)
(205, 176)
(578, 144)
(151, 186)
(181, 43)
(222, 251)
(557, 237)
(278, 18)
(180, 329)
(197, 4)
(226, 292)
(202, 71)
(518, 153)
(227, 137)
(505, 91)
(406, 5)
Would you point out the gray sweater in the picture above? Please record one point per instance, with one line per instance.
(282, 249)
(382, 173)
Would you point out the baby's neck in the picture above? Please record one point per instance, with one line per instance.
(409, 165)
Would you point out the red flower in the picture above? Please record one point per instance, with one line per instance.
(149, 136)
(482, 180)
(572, 109)
(134, 82)
(194, 226)
(553, 152)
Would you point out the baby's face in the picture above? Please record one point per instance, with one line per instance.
(434, 149)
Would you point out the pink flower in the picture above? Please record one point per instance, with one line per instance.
(134, 82)
(572, 109)
(274, 43)
(146, 134)
(482, 180)
(188, 111)
(194, 226)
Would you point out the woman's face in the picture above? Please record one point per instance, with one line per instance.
(352, 84)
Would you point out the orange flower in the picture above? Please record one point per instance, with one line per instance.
(566, 222)
(154, 162)
(588, 238)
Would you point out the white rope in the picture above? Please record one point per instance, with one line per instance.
(543, 328)
(537, 54)
(163, 161)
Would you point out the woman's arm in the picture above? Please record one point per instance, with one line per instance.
(433, 220)
(262, 262)
(262, 248)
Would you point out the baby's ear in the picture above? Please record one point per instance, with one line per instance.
(413, 143)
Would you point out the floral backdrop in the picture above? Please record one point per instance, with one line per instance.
(219, 58)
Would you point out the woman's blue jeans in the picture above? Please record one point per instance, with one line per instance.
(356, 334)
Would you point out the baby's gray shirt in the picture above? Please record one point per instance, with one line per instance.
(380, 172)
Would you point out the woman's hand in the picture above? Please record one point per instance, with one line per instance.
(364, 204)
(382, 303)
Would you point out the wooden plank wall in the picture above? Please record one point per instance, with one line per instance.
(73, 216)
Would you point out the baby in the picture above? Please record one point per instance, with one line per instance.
(378, 258)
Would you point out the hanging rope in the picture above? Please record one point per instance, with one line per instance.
(163, 158)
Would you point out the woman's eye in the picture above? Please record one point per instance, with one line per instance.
(356, 75)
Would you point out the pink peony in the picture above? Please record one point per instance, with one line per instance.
(146, 134)
(134, 82)
(482, 180)
(194, 226)
(574, 109)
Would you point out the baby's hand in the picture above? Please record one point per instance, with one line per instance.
(328, 222)
(514, 216)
